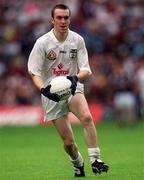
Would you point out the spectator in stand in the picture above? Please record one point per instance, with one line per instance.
(124, 97)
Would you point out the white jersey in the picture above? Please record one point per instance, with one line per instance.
(50, 58)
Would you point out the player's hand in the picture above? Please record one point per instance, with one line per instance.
(73, 80)
(46, 92)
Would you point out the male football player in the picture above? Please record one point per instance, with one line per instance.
(63, 52)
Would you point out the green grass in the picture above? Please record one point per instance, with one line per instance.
(36, 153)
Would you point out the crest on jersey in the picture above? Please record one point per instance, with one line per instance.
(60, 65)
(73, 53)
(51, 55)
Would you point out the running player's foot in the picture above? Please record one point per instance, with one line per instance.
(99, 166)
(79, 171)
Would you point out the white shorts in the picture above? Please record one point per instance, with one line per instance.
(124, 100)
(54, 110)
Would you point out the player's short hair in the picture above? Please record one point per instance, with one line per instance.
(60, 6)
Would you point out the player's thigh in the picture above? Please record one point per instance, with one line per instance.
(79, 106)
(64, 129)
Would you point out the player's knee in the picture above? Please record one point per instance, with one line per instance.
(86, 118)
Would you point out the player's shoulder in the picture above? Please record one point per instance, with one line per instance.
(75, 35)
(44, 38)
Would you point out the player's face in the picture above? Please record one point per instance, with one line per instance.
(61, 20)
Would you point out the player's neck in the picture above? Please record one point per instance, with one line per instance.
(61, 37)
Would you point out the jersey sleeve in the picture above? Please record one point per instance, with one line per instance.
(83, 63)
(36, 59)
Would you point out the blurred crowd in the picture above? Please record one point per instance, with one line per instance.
(114, 34)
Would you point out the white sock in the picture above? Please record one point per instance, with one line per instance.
(78, 162)
(93, 153)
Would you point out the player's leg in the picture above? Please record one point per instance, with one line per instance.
(64, 129)
(78, 106)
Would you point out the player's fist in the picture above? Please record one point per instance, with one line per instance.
(46, 92)
(73, 80)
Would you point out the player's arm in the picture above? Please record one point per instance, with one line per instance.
(36, 62)
(83, 62)
(83, 65)
(37, 81)
(83, 74)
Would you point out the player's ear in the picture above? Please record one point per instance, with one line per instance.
(52, 20)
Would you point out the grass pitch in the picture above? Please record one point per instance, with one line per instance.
(36, 153)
